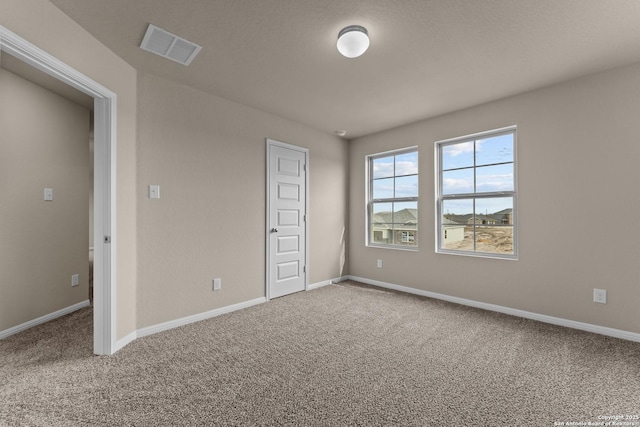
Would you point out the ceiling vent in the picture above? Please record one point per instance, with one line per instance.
(169, 45)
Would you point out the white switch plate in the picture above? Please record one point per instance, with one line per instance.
(154, 191)
(217, 284)
(75, 280)
(379, 263)
(48, 194)
(600, 296)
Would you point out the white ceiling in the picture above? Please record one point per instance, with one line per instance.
(427, 57)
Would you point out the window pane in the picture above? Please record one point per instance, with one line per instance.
(457, 181)
(495, 209)
(383, 188)
(494, 178)
(407, 186)
(494, 240)
(381, 223)
(494, 225)
(457, 231)
(383, 167)
(405, 223)
(382, 213)
(405, 213)
(497, 149)
(407, 164)
(458, 155)
(382, 233)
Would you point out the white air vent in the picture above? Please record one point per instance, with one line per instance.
(169, 45)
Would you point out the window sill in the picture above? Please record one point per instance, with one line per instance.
(478, 255)
(394, 247)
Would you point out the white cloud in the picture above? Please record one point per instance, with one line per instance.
(495, 182)
(457, 185)
(406, 168)
(382, 169)
(455, 150)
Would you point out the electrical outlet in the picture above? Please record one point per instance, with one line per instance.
(217, 284)
(75, 280)
(379, 263)
(600, 296)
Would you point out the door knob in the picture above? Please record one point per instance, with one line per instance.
(274, 230)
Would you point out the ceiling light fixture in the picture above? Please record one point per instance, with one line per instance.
(353, 41)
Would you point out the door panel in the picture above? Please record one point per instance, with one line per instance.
(288, 218)
(286, 258)
(288, 244)
(288, 192)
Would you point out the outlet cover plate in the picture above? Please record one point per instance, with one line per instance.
(600, 296)
(217, 284)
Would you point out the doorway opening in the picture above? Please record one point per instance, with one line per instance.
(104, 189)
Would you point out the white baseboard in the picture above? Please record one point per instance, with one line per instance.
(128, 339)
(326, 282)
(43, 319)
(150, 330)
(602, 330)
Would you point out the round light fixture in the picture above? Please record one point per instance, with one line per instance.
(353, 41)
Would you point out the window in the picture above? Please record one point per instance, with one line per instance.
(476, 194)
(392, 199)
(408, 236)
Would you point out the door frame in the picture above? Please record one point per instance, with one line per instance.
(104, 182)
(273, 143)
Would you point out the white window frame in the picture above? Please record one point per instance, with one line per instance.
(370, 200)
(475, 195)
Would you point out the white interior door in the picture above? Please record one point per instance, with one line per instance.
(286, 219)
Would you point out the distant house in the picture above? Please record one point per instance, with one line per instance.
(396, 227)
(503, 217)
(482, 220)
(452, 231)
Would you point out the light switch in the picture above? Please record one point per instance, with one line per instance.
(48, 194)
(154, 191)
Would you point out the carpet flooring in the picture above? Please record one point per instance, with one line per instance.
(342, 355)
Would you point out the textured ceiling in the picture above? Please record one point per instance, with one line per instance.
(427, 57)
(16, 66)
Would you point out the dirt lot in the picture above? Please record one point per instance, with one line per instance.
(489, 240)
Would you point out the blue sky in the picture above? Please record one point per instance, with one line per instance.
(491, 175)
(406, 181)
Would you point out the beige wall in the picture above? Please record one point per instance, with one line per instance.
(41, 23)
(578, 154)
(44, 143)
(208, 156)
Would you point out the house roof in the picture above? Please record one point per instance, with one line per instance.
(280, 55)
(404, 216)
